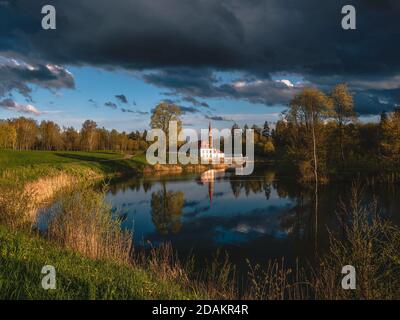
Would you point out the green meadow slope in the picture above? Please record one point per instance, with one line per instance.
(26, 166)
(22, 257)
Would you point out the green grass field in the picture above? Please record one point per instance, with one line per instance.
(30, 165)
(77, 277)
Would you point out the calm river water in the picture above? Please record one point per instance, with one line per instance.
(258, 217)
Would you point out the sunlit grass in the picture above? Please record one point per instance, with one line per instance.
(22, 257)
(23, 166)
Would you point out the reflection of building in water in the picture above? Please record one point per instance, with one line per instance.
(208, 177)
(207, 150)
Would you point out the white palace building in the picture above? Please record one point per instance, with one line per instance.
(207, 150)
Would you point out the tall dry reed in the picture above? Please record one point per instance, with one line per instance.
(371, 245)
(83, 222)
(16, 207)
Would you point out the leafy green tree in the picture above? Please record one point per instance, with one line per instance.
(162, 114)
(27, 132)
(89, 135)
(50, 136)
(391, 137)
(8, 135)
(307, 109)
(343, 105)
(71, 139)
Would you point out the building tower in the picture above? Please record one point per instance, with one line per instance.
(210, 138)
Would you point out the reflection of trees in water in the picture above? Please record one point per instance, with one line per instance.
(252, 184)
(301, 222)
(136, 184)
(266, 182)
(298, 221)
(147, 185)
(166, 210)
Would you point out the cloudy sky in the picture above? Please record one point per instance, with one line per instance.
(222, 61)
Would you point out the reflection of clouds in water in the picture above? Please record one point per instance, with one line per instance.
(245, 228)
(259, 216)
(246, 219)
(241, 227)
(258, 223)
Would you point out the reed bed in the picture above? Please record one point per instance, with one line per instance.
(83, 222)
(16, 207)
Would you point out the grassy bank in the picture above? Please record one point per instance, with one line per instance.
(22, 257)
(24, 166)
(27, 166)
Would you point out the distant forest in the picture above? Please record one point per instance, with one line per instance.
(318, 135)
(27, 134)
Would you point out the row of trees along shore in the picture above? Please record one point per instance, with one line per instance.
(27, 134)
(317, 135)
(320, 134)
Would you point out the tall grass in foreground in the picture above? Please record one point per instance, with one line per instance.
(371, 245)
(276, 281)
(83, 222)
(16, 207)
(215, 280)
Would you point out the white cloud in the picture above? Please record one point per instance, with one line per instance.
(288, 83)
(22, 108)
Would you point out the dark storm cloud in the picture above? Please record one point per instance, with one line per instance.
(198, 37)
(121, 98)
(262, 36)
(203, 83)
(371, 102)
(17, 74)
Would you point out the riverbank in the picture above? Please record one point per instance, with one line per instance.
(43, 174)
(27, 166)
(21, 167)
(22, 257)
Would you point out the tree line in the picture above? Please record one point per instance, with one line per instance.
(27, 134)
(320, 134)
